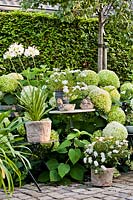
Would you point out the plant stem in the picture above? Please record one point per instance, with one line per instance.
(21, 62)
(13, 65)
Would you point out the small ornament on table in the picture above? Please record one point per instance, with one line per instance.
(86, 104)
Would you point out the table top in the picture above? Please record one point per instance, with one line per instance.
(71, 111)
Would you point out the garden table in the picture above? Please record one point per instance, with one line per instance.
(71, 113)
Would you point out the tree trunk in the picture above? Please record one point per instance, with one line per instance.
(101, 41)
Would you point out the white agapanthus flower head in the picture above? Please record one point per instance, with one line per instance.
(16, 49)
(31, 52)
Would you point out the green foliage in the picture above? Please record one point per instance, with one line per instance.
(11, 153)
(68, 162)
(61, 45)
(65, 44)
(34, 103)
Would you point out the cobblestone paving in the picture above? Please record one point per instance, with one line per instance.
(122, 189)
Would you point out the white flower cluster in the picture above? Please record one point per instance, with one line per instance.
(16, 50)
(104, 152)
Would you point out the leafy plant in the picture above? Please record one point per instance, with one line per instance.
(106, 152)
(69, 158)
(11, 150)
(34, 103)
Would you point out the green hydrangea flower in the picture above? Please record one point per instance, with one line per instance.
(126, 90)
(126, 86)
(90, 88)
(115, 129)
(108, 77)
(117, 114)
(115, 95)
(8, 84)
(101, 99)
(89, 77)
(16, 76)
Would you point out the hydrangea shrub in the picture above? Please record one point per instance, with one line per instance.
(117, 114)
(115, 95)
(115, 129)
(89, 77)
(101, 99)
(126, 86)
(8, 84)
(108, 77)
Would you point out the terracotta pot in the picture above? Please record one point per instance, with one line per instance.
(103, 179)
(38, 131)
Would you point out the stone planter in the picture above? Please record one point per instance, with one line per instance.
(103, 179)
(38, 131)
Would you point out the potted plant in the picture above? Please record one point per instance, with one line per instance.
(33, 101)
(103, 155)
(62, 83)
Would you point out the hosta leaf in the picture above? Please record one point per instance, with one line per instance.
(63, 169)
(74, 155)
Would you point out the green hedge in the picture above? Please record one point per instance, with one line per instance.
(62, 45)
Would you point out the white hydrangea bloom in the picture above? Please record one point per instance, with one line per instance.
(90, 160)
(96, 163)
(65, 89)
(103, 159)
(85, 160)
(89, 151)
(65, 82)
(102, 154)
(115, 151)
(103, 168)
(95, 154)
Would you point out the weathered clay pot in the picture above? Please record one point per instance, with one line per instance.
(38, 131)
(102, 179)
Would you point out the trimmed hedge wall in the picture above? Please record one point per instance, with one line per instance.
(62, 45)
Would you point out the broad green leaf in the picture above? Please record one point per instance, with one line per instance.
(64, 150)
(77, 172)
(71, 136)
(52, 164)
(74, 155)
(63, 169)
(64, 144)
(54, 177)
(43, 177)
(78, 143)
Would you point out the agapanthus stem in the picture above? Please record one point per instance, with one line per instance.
(21, 62)
(13, 65)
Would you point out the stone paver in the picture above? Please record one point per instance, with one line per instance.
(122, 189)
